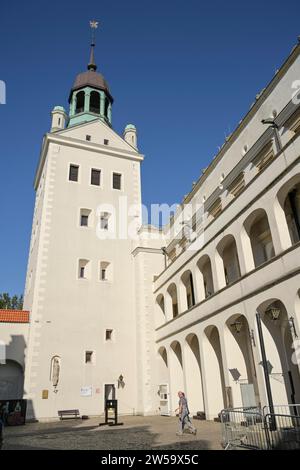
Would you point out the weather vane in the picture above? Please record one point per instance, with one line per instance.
(94, 26)
(92, 65)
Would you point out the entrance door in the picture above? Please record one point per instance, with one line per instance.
(164, 400)
(109, 392)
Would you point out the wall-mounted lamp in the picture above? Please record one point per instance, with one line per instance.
(121, 383)
(273, 313)
(271, 122)
(237, 326)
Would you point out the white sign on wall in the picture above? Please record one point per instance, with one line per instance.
(86, 391)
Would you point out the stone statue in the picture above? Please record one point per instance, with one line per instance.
(55, 371)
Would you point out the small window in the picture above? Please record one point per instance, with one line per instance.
(89, 357)
(84, 217)
(105, 271)
(108, 335)
(88, 138)
(84, 220)
(83, 269)
(104, 221)
(116, 181)
(73, 173)
(95, 177)
(106, 141)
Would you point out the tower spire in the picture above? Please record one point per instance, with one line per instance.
(91, 64)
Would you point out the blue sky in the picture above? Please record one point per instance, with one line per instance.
(183, 72)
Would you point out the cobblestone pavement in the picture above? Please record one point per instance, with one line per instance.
(138, 432)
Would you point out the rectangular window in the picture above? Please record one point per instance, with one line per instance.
(88, 357)
(83, 269)
(84, 220)
(88, 138)
(73, 173)
(103, 274)
(106, 141)
(108, 335)
(95, 177)
(117, 181)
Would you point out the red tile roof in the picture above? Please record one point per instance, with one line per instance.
(14, 316)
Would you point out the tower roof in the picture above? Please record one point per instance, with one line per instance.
(93, 79)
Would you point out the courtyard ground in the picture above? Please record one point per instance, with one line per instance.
(138, 432)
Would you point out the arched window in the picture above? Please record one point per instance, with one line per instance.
(172, 291)
(228, 251)
(292, 213)
(258, 229)
(204, 264)
(79, 102)
(95, 102)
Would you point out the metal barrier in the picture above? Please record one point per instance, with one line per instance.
(243, 428)
(286, 434)
(293, 409)
(255, 428)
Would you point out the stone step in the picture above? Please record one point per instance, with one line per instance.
(200, 415)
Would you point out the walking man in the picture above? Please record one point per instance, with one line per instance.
(184, 419)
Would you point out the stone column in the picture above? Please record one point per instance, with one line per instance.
(217, 267)
(87, 97)
(102, 104)
(168, 306)
(181, 296)
(244, 250)
(109, 113)
(198, 284)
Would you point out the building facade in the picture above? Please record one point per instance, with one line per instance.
(123, 310)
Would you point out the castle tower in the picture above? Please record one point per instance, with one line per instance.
(80, 275)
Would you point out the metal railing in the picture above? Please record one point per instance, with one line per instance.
(256, 428)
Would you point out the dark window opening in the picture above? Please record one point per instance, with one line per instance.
(106, 141)
(95, 102)
(88, 357)
(108, 335)
(81, 273)
(88, 138)
(84, 220)
(79, 102)
(73, 173)
(95, 177)
(116, 181)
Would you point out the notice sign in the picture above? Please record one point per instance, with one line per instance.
(86, 391)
